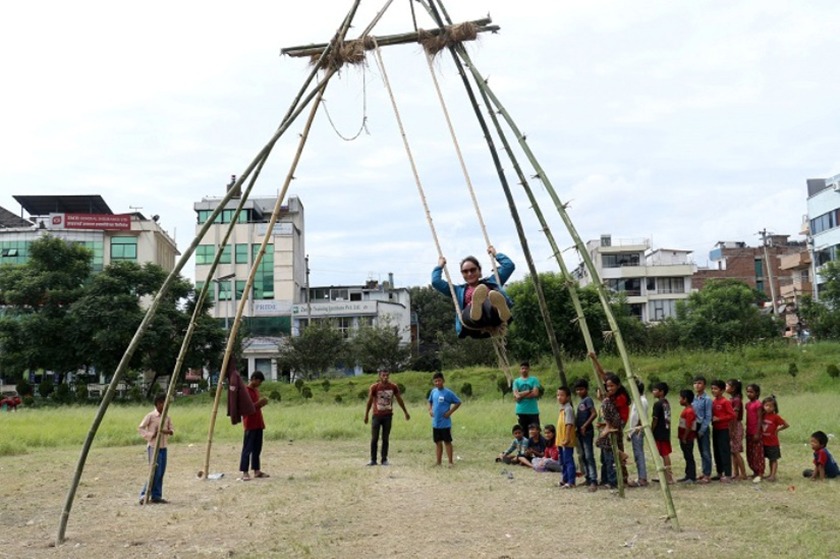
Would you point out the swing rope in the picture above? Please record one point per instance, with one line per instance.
(363, 127)
(497, 334)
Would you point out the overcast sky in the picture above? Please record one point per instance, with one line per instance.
(684, 122)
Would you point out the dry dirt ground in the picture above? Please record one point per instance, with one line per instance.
(321, 501)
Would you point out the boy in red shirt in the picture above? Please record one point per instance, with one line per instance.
(771, 424)
(254, 427)
(687, 432)
(722, 416)
(381, 398)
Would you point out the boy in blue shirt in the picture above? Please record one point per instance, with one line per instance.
(702, 405)
(442, 404)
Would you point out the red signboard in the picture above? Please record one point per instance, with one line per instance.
(102, 222)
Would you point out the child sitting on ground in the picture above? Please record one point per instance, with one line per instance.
(661, 427)
(550, 462)
(536, 444)
(515, 454)
(771, 424)
(825, 466)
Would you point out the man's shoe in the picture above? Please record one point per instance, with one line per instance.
(372, 463)
(385, 463)
(159, 501)
(500, 304)
(478, 298)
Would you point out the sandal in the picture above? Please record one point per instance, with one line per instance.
(262, 474)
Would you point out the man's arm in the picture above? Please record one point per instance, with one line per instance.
(452, 409)
(402, 405)
(369, 404)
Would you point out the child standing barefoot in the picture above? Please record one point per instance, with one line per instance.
(755, 448)
(771, 424)
(736, 429)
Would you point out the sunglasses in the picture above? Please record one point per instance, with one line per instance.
(469, 270)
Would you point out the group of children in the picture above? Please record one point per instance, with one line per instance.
(715, 422)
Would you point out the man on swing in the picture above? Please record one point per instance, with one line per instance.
(483, 303)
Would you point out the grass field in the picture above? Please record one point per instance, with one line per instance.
(322, 502)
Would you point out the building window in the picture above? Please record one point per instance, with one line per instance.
(264, 278)
(355, 296)
(759, 285)
(671, 285)
(619, 260)
(225, 259)
(339, 295)
(759, 268)
(240, 289)
(17, 252)
(123, 248)
(204, 254)
(632, 287)
(242, 254)
(203, 216)
(224, 290)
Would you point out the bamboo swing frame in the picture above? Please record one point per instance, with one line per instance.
(252, 171)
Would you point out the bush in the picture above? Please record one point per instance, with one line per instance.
(362, 395)
(28, 401)
(275, 395)
(23, 388)
(793, 369)
(299, 384)
(135, 394)
(466, 390)
(502, 386)
(428, 394)
(541, 391)
(46, 388)
(401, 386)
(63, 394)
(306, 392)
(326, 385)
(832, 371)
(338, 399)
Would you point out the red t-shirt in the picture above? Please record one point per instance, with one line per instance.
(753, 413)
(722, 410)
(622, 404)
(769, 427)
(468, 293)
(552, 452)
(738, 405)
(383, 397)
(687, 429)
(255, 420)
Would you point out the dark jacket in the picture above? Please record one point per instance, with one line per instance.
(239, 401)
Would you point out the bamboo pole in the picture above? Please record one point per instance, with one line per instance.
(514, 212)
(602, 294)
(386, 40)
(150, 313)
(205, 472)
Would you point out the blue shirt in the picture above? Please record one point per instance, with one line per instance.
(584, 410)
(441, 401)
(526, 405)
(703, 409)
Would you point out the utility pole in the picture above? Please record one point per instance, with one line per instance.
(308, 295)
(763, 234)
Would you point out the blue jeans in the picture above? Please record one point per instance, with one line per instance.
(157, 482)
(608, 474)
(587, 452)
(638, 441)
(704, 443)
(567, 458)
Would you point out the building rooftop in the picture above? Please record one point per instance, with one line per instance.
(39, 205)
(8, 220)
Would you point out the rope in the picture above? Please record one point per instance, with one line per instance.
(497, 336)
(381, 65)
(463, 165)
(363, 127)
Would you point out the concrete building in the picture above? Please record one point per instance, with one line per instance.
(89, 221)
(823, 224)
(281, 277)
(652, 280)
(736, 260)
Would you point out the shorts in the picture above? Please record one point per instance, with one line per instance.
(442, 435)
(664, 448)
(772, 453)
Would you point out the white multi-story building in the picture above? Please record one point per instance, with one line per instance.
(652, 280)
(86, 220)
(823, 224)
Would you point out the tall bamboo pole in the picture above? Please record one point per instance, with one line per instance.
(514, 212)
(205, 472)
(602, 293)
(150, 313)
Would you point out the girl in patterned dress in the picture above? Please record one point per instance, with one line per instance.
(736, 430)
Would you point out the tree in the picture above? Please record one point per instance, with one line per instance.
(379, 347)
(823, 316)
(319, 348)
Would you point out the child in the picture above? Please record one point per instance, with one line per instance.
(442, 404)
(526, 392)
(584, 419)
(515, 454)
(755, 448)
(610, 431)
(149, 429)
(661, 427)
(722, 416)
(636, 437)
(825, 466)
(687, 432)
(736, 429)
(254, 426)
(550, 462)
(381, 397)
(703, 410)
(567, 439)
(771, 424)
(536, 444)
